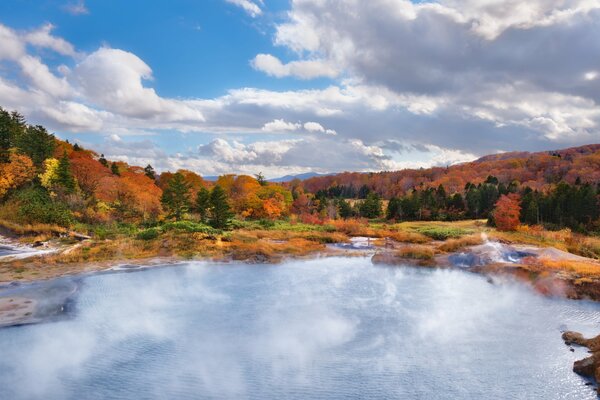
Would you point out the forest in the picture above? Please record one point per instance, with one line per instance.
(44, 180)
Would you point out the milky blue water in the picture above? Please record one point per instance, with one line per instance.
(334, 328)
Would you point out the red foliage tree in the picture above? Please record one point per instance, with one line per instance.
(506, 213)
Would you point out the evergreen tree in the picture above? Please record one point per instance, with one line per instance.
(371, 206)
(150, 173)
(76, 147)
(261, 179)
(176, 197)
(64, 177)
(203, 204)
(344, 209)
(394, 208)
(36, 143)
(103, 160)
(114, 168)
(220, 211)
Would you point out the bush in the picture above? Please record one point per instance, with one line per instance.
(36, 206)
(416, 252)
(149, 234)
(443, 233)
(190, 227)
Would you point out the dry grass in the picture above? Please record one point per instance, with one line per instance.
(586, 246)
(29, 229)
(452, 245)
(580, 268)
(416, 252)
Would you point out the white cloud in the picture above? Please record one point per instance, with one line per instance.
(307, 69)
(76, 8)
(42, 37)
(249, 6)
(279, 125)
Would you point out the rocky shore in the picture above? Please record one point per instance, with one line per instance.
(588, 367)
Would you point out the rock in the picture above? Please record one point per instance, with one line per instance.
(588, 367)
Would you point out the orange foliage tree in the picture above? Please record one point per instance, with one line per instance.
(18, 171)
(507, 212)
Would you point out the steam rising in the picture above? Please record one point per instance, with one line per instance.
(325, 328)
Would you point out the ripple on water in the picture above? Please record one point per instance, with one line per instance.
(332, 328)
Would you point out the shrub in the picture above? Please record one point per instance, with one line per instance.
(149, 234)
(36, 206)
(416, 252)
(190, 227)
(442, 233)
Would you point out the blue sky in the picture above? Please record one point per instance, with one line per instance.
(284, 87)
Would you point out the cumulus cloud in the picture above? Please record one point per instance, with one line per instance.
(250, 7)
(409, 85)
(307, 69)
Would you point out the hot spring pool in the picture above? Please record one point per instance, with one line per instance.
(329, 328)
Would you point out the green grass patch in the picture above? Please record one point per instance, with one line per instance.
(443, 233)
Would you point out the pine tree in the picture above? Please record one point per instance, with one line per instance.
(261, 179)
(150, 173)
(371, 206)
(203, 204)
(220, 211)
(114, 168)
(103, 160)
(176, 197)
(344, 209)
(64, 177)
(36, 143)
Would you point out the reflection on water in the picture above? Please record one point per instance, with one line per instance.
(333, 328)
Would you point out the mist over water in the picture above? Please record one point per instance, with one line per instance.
(333, 328)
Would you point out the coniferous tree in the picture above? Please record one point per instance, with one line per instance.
(203, 204)
(261, 179)
(176, 197)
(103, 160)
(64, 177)
(344, 209)
(220, 211)
(36, 143)
(150, 173)
(371, 206)
(114, 168)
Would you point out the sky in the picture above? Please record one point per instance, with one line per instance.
(287, 87)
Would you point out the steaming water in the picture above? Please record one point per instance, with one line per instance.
(335, 328)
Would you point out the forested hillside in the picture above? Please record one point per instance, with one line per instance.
(44, 180)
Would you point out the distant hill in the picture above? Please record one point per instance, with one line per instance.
(538, 170)
(302, 177)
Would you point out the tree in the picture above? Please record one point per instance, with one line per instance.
(371, 206)
(64, 177)
(103, 160)
(344, 209)
(507, 212)
(36, 143)
(150, 173)
(262, 181)
(220, 211)
(176, 198)
(203, 204)
(17, 172)
(114, 168)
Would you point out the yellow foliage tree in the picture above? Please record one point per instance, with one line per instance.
(48, 177)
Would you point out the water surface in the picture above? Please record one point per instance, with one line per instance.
(334, 328)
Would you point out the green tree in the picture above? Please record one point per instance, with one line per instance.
(203, 204)
(394, 208)
(150, 173)
(36, 143)
(103, 160)
(64, 177)
(114, 168)
(261, 179)
(371, 206)
(344, 209)
(220, 211)
(176, 197)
